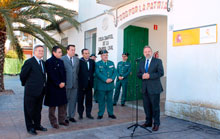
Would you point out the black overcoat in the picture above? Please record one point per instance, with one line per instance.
(56, 73)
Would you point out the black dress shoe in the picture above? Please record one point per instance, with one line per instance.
(72, 120)
(122, 105)
(99, 117)
(32, 131)
(67, 121)
(90, 117)
(114, 104)
(80, 117)
(146, 125)
(112, 116)
(41, 128)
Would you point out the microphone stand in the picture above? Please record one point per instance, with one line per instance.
(136, 123)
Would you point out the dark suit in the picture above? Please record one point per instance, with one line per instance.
(55, 95)
(151, 89)
(85, 82)
(34, 79)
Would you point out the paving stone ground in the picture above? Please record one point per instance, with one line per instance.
(12, 124)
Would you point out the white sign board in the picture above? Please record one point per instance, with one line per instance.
(208, 34)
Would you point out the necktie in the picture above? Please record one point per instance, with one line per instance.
(71, 60)
(146, 67)
(41, 65)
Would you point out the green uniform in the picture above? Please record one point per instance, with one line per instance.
(105, 70)
(123, 70)
(95, 89)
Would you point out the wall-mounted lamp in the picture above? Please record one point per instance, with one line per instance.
(169, 5)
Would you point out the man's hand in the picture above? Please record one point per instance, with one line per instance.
(109, 80)
(120, 78)
(61, 85)
(146, 76)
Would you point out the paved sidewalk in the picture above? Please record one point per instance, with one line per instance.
(12, 124)
(171, 128)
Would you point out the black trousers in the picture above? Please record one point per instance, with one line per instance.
(32, 111)
(151, 104)
(85, 96)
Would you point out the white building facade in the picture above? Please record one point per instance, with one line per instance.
(184, 33)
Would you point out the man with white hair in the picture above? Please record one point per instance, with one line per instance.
(33, 78)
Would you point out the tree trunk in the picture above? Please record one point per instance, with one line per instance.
(2, 58)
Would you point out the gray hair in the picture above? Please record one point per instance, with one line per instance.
(37, 46)
(147, 46)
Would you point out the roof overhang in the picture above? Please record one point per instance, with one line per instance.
(114, 3)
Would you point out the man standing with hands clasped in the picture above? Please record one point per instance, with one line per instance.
(105, 73)
(56, 91)
(123, 71)
(150, 70)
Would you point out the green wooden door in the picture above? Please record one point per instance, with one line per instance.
(135, 38)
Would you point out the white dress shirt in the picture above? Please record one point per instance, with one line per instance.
(148, 62)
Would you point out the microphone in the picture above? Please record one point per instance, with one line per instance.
(139, 58)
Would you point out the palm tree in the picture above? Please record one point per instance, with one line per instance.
(23, 13)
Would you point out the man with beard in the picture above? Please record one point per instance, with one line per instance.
(150, 70)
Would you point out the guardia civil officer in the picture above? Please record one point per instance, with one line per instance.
(123, 71)
(105, 74)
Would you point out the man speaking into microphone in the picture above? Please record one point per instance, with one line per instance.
(150, 70)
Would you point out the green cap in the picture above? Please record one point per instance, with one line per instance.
(92, 55)
(127, 54)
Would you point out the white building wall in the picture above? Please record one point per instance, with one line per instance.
(193, 71)
(89, 9)
(72, 5)
(77, 37)
(107, 20)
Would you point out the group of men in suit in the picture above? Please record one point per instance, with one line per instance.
(70, 81)
(59, 89)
